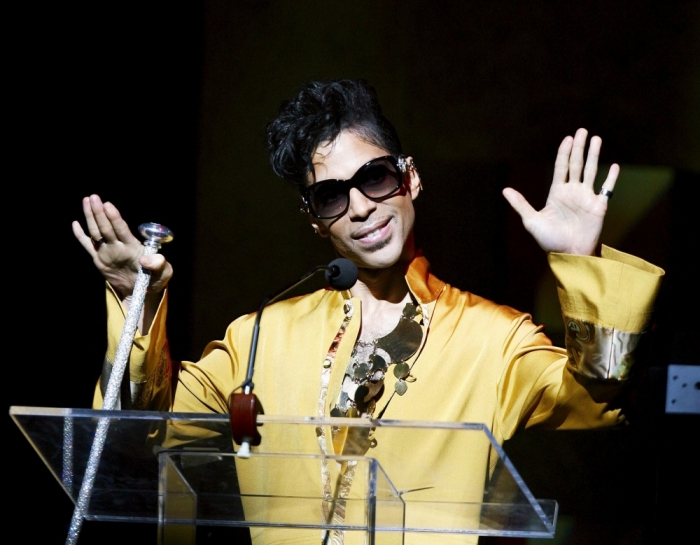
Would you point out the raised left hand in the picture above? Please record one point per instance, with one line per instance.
(572, 218)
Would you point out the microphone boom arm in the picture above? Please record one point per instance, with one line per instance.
(248, 384)
(244, 407)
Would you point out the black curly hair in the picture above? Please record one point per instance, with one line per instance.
(317, 115)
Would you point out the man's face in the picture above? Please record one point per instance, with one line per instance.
(374, 234)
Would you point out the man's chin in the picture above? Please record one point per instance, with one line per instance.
(377, 256)
(378, 246)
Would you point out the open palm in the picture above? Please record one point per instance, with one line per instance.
(572, 218)
(115, 251)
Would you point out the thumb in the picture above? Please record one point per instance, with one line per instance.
(152, 262)
(518, 203)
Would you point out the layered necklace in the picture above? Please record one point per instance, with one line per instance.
(362, 387)
(364, 381)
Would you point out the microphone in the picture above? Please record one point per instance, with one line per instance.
(341, 274)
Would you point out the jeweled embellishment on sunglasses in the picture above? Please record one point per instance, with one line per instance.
(402, 164)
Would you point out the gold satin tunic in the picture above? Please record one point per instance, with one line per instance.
(480, 362)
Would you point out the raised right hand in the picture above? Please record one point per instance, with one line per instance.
(116, 252)
(572, 218)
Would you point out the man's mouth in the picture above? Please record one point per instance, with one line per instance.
(377, 230)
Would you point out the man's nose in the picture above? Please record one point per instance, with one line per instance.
(360, 206)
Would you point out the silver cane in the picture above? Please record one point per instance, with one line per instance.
(154, 235)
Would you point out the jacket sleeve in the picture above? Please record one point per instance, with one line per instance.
(205, 385)
(606, 304)
(148, 384)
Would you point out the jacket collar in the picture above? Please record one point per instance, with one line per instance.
(425, 287)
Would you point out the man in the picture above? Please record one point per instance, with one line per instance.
(400, 344)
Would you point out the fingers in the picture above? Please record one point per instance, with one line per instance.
(153, 262)
(561, 164)
(99, 225)
(91, 206)
(519, 203)
(569, 165)
(161, 271)
(104, 222)
(576, 159)
(591, 169)
(85, 240)
(611, 180)
(119, 226)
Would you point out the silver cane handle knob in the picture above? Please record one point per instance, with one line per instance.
(155, 234)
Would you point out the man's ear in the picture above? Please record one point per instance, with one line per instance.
(318, 226)
(414, 182)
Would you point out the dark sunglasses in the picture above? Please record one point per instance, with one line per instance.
(376, 179)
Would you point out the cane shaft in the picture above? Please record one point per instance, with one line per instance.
(121, 361)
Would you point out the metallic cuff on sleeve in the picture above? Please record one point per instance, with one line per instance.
(600, 352)
(129, 392)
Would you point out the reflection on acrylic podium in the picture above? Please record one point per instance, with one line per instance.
(384, 482)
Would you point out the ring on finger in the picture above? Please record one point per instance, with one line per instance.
(606, 193)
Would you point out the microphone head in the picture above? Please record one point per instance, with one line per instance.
(342, 274)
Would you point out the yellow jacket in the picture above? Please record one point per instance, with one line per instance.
(480, 362)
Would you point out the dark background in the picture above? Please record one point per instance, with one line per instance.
(160, 109)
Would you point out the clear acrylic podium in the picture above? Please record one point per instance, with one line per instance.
(388, 486)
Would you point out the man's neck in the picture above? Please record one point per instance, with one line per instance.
(383, 293)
